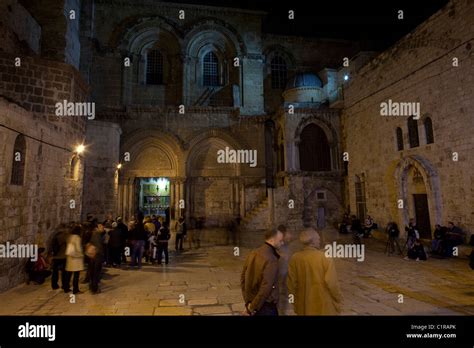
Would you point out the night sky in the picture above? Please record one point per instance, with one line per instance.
(374, 24)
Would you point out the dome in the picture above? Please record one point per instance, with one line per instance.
(304, 80)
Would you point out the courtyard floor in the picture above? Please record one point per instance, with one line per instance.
(206, 282)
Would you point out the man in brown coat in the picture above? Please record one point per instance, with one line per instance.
(312, 279)
(259, 279)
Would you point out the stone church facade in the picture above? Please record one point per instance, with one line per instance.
(173, 85)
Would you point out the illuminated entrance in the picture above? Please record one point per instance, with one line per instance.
(154, 196)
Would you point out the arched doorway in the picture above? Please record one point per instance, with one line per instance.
(212, 185)
(150, 179)
(417, 198)
(419, 190)
(314, 149)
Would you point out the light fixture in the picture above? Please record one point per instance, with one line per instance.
(162, 183)
(80, 149)
(346, 77)
(119, 166)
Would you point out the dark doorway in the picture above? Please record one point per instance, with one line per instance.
(422, 215)
(321, 218)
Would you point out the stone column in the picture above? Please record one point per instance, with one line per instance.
(119, 200)
(172, 199)
(130, 200)
(296, 156)
(181, 196)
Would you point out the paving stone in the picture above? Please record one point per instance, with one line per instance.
(212, 310)
(172, 311)
(203, 302)
(440, 287)
(170, 303)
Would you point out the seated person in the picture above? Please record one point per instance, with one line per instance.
(454, 237)
(417, 252)
(356, 229)
(38, 270)
(369, 226)
(438, 242)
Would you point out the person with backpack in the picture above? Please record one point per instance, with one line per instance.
(138, 237)
(180, 228)
(95, 253)
(162, 243)
(115, 245)
(59, 243)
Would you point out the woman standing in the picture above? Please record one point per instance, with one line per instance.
(74, 260)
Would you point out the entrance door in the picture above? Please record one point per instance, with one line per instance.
(422, 215)
(321, 219)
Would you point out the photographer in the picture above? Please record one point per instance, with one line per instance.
(393, 238)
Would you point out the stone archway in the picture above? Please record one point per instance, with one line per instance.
(213, 189)
(416, 177)
(151, 154)
(330, 134)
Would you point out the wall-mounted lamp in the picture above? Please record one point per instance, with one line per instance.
(119, 166)
(80, 149)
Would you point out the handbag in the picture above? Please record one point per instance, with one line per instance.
(91, 250)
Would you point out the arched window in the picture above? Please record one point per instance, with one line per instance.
(154, 67)
(413, 132)
(429, 131)
(399, 139)
(314, 149)
(279, 72)
(74, 168)
(18, 162)
(210, 70)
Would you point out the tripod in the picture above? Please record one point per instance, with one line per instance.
(390, 247)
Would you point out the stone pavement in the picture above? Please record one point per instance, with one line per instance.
(206, 282)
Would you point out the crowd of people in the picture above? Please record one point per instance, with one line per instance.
(444, 239)
(91, 245)
(269, 276)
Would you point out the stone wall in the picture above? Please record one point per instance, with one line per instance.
(101, 174)
(419, 68)
(51, 190)
(29, 213)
